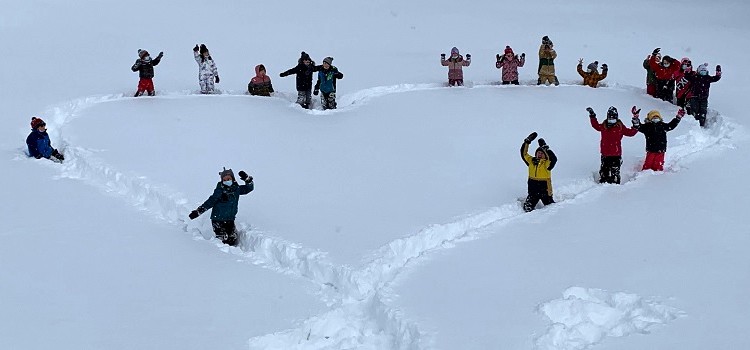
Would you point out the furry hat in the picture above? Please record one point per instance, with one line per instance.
(226, 172)
(37, 122)
(328, 60)
(653, 115)
(593, 66)
(508, 50)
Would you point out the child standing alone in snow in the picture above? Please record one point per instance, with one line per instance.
(540, 173)
(144, 65)
(207, 72)
(260, 84)
(326, 83)
(655, 131)
(224, 205)
(455, 66)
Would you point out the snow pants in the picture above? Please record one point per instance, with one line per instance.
(609, 172)
(455, 82)
(547, 79)
(665, 90)
(304, 99)
(206, 82)
(145, 85)
(225, 231)
(328, 100)
(699, 108)
(651, 89)
(538, 190)
(654, 161)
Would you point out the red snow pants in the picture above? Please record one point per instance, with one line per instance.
(146, 84)
(654, 161)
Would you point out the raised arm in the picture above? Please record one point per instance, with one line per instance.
(136, 66)
(552, 159)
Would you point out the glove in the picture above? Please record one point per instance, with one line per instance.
(718, 69)
(161, 54)
(604, 67)
(523, 55)
(57, 155)
(195, 48)
(636, 122)
(442, 55)
(282, 75)
(680, 113)
(217, 79)
(196, 213)
(531, 137)
(244, 177)
(635, 110)
(656, 51)
(315, 92)
(468, 56)
(543, 144)
(591, 112)
(580, 61)
(497, 56)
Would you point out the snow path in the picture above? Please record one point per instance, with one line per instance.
(360, 316)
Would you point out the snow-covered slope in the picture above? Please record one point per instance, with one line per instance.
(391, 223)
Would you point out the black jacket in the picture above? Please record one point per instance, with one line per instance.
(304, 75)
(699, 84)
(656, 134)
(145, 69)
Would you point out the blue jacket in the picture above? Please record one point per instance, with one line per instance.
(39, 144)
(327, 79)
(225, 200)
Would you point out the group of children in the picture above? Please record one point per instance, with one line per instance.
(676, 82)
(259, 85)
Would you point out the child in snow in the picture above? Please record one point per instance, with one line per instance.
(655, 130)
(326, 83)
(665, 73)
(682, 91)
(455, 65)
(540, 173)
(547, 57)
(223, 204)
(650, 77)
(39, 143)
(610, 146)
(144, 65)
(509, 63)
(207, 72)
(260, 84)
(304, 71)
(699, 85)
(592, 77)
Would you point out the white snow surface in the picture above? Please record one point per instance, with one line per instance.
(390, 223)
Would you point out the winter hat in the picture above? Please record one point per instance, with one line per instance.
(653, 115)
(226, 172)
(142, 52)
(37, 122)
(686, 61)
(703, 68)
(545, 40)
(508, 50)
(540, 149)
(593, 66)
(454, 51)
(328, 60)
(304, 56)
(612, 113)
(203, 49)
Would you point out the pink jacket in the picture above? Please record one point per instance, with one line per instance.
(510, 67)
(455, 67)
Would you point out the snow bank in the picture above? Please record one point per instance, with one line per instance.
(586, 316)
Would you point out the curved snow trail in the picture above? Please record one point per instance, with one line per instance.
(360, 315)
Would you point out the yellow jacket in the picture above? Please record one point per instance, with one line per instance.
(539, 168)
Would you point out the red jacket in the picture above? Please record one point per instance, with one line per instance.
(611, 136)
(664, 73)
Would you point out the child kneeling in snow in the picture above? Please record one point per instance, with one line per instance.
(540, 173)
(224, 202)
(592, 77)
(260, 84)
(655, 130)
(39, 144)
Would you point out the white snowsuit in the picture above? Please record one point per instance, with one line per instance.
(207, 73)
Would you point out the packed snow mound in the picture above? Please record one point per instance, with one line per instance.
(585, 316)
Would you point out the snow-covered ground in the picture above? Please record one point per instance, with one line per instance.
(391, 223)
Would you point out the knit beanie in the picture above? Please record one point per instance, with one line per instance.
(37, 122)
(328, 60)
(593, 66)
(454, 51)
(304, 56)
(508, 50)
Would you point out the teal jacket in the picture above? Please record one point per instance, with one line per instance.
(225, 200)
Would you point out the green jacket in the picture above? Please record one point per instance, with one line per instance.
(225, 200)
